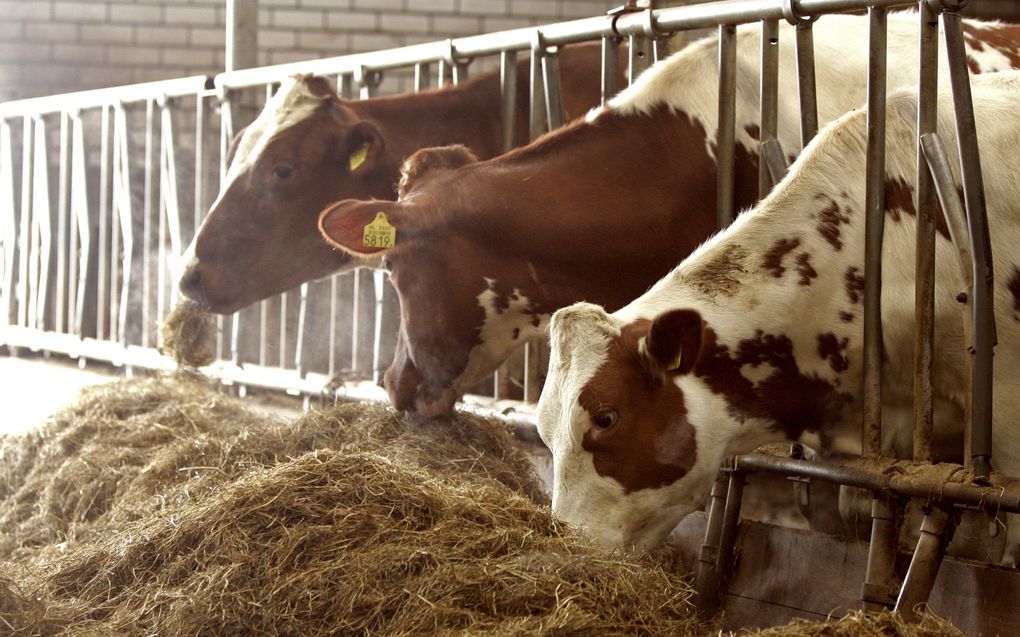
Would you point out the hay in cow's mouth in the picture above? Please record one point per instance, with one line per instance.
(188, 335)
(158, 506)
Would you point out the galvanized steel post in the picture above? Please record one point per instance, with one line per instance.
(726, 130)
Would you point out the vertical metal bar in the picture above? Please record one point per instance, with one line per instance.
(124, 208)
(537, 118)
(344, 86)
(610, 68)
(80, 210)
(924, 290)
(726, 131)
(638, 57)
(379, 284)
(283, 330)
(726, 558)
(925, 563)
(226, 136)
(769, 98)
(149, 193)
(63, 212)
(300, 356)
(355, 318)
(508, 93)
(41, 231)
(442, 72)
(421, 76)
(980, 438)
(115, 174)
(333, 284)
(532, 384)
(199, 161)
(24, 234)
(242, 35)
(878, 591)
(707, 576)
(460, 71)
(8, 218)
(263, 332)
(104, 203)
(874, 230)
(806, 82)
(551, 81)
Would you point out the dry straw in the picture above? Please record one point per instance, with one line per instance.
(188, 335)
(158, 506)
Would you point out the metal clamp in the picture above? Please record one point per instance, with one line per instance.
(938, 6)
(652, 31)
(794, 16)
(450, 56)
(617, 12)
(365, 77)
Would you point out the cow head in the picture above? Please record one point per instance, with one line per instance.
(623, 415)
(447, 343)
(305, 150)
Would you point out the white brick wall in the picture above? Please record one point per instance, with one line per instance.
(54, 46)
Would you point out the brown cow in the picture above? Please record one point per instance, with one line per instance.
(308, 148)
(597, 211)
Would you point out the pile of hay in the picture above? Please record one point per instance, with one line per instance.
(158, 506)
(188, 335)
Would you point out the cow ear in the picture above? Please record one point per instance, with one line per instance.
(427, 160)
(363, 148)
(673, 342)
(364, 227)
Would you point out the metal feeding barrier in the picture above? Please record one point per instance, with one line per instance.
(89, 277)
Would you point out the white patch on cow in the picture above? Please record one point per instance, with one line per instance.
(757, 373)
(594, 113)
(292, 103)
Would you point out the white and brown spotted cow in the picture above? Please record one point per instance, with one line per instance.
(597, 211)
(309, 148)
(757, 336)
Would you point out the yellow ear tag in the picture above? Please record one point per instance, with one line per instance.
(358, 157)
(675, 365)
(379, 233)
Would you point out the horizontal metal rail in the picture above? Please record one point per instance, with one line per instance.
(891, 477)
(35, 106)
(664, 21)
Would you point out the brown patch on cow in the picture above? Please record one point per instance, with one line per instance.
(832, 348)
(793, 401)
(830, 219)
(1003, 39)
(722, 273)
(853, 282)
(846, 317)
(773, 262)
(899, 197)
(753, 131)
(804, 269)
(652, 444)
(1014, 288)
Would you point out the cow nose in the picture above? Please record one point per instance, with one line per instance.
(191, 283)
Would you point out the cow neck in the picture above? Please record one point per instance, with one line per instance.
(781, 294)
(606, 237)
(465, 114)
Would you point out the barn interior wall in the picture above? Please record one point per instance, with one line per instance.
(55, 46)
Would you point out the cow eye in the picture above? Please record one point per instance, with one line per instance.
(283, 171)
(605, 418)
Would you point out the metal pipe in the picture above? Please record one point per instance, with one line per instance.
(379, 287)
(104, 203)
(924, 283)
(880, 476)
(667, 21)
(774, 160)
(508, 95)
(242, 34)
(925, 563)
(147, 198)
(532, 382)
(24, 230)
(707, 576)
(537, 119)
(874, 231)
(726, 131)
(806, 88)
(8, 216)
(769, 99)
(952, 208)
(421, 76)
(41, 231)
(610, 67)
(300, 355)
(638, 56)
(980, 438)
(726, 559)
(63, 213)
(878, 591)
(551, 82)
(80, 210)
